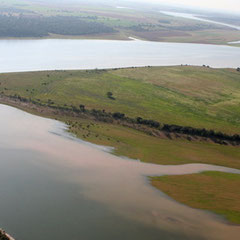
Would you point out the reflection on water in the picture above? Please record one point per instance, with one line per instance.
(53, 187)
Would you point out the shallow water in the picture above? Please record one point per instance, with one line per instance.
(52, 54)
(54, 185)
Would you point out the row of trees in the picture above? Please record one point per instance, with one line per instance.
(102, 115)
(201, 132)
(27, 26)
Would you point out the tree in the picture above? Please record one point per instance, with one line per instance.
(110, 95)
(82, 108)
(118, 115)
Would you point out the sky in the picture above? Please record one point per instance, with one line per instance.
(229, 5)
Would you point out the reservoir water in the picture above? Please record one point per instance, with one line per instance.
(54, 186)
(52, 54)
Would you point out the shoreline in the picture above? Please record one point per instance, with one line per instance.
(113, 68)
(33, 110)
(153, 178)
(151, 127)
(76, 125)
(200, 190)
(117, 38)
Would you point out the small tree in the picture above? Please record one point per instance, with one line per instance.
(82, 108)
(110, 95)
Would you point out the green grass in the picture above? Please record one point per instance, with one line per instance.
(193, 96)
(215, 191)
(137, 145)
(189, 96)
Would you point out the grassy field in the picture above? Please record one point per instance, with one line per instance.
(138, 145)
(215, 191)
(184, 95)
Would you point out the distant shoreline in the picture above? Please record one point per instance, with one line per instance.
(118, 37)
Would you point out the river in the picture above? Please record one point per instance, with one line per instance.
(52, 54)
(54, 186)
(199, 18)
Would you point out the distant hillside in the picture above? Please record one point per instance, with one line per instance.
(81, 19)
(35, 26)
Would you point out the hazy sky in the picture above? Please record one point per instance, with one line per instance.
(230, 5)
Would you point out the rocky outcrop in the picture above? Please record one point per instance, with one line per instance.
(5, 236)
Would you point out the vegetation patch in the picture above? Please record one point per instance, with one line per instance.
(136, 143)
(20, 26)
(198, 97)
(151, 127)
(153, 107)
(215, 191)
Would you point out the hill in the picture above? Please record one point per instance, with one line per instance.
(198, 97)
(184, 95)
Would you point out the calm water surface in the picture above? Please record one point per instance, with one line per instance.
(51, 54)
(54, 186)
